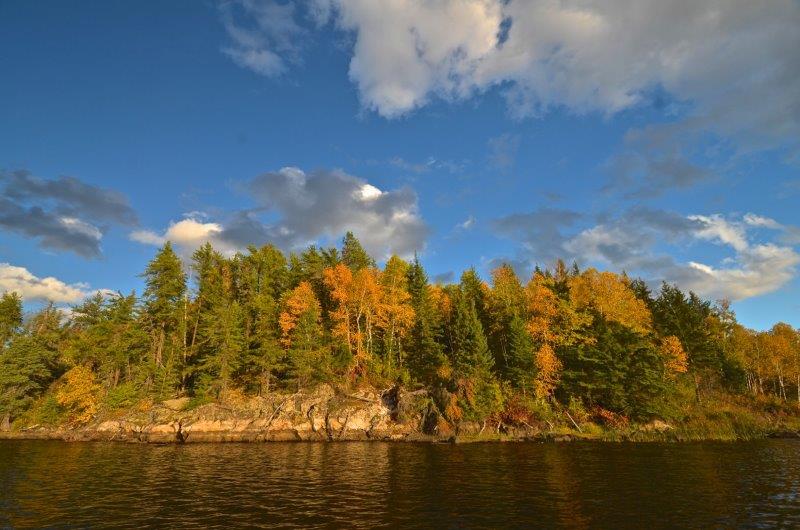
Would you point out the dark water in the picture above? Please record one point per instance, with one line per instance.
(367, 485)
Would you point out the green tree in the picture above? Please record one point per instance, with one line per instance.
(165, 314)
(226, 347)
(426, 359)
(354, 255)
(690, 319)
(10, 316)
(30, 363)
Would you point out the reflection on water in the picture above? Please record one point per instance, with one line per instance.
(367, 485)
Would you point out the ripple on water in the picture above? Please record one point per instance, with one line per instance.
(369, 485)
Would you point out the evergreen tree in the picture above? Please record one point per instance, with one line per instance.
(354, 255)
(521, 368)
(426, 359)
(10, 316)
(688, 319)
(226, 347)
(470, 355)
(30, 363)
(302, 334)
(477, 390)
(620, 370)
(165, 314)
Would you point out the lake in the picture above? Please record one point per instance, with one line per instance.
(369, 485)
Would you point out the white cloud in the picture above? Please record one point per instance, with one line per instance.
(642, 241)
(762, 222)
(758, 270)
(187, 234)
(78, 226)
(306, 208)
(732, 65)
(403, 53)
(717, 228)
(31, 287)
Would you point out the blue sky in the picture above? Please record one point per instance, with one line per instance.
(661, 138)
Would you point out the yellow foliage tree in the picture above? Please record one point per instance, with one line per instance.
(552, 322)
(356, 297)
(611, 296)
(548, 372)
(675, 359)
(79, 393)
(395, 315)
(297, 303)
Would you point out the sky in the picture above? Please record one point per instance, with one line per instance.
(657, 137)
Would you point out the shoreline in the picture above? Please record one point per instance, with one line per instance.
(325, 414)
(223, 437)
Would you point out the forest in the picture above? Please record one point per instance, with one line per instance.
(587, 341)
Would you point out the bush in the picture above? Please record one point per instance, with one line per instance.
(121, 397)
(78, 393)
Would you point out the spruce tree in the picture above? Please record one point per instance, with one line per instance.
(354, 255)
(426, 358)
(165, 313)
(10, 316)
(470, 356)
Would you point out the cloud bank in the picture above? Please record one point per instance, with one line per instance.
(30, 287)
(63, 214)
(637, 241)
(295, 208)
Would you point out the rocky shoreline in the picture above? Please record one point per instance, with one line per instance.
(324, 415)
(319, 415)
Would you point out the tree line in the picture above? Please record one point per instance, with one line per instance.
(259, 322)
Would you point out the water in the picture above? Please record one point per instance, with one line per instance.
(368, 485)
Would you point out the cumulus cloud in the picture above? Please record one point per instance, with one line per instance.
(30, 287)
(735, 61)
(642, 241)
(305, 208)
(62, 214)
(402, 55)
(722, 72)
(263, 33)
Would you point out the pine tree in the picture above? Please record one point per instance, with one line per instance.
(30, 363)
(165, 313)
(226, 346)
(477, 390)
(426, 359)
(688, 319)
(10, 316)
(521, 355)
(354, 255)
(470, 355)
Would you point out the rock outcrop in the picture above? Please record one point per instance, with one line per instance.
(319, 414)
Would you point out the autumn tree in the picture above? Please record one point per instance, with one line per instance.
(356, 299)
(505, 324)
(302, 334)
(395, 315)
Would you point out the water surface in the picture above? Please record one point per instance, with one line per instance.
(368, 485)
